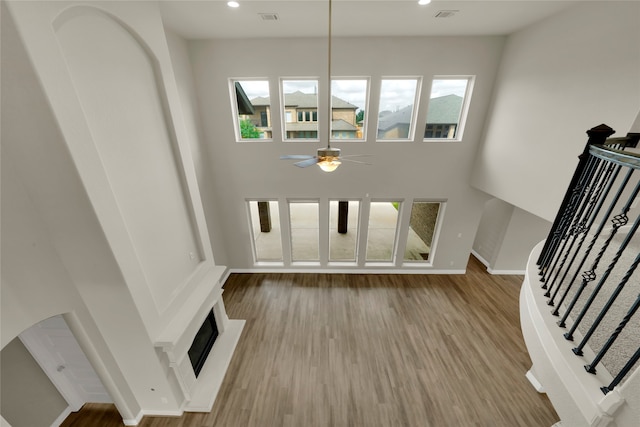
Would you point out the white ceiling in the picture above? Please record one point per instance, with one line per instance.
(203, 19)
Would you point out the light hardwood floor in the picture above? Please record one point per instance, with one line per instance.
(370, 350)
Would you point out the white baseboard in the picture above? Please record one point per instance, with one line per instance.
(481, 259)
(224, 277)
(63, 416)
(496, 272)
(506, 272)
(534, 382)
(135, 421)
(345, 271)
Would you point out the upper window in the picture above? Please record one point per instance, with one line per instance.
(447, 107)
(252, 109)
(300, 104)
(348, 106)
(396, 113)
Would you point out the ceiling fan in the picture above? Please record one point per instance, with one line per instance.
(328, 158)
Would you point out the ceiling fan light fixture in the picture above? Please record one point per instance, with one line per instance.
(329, 164)
(328, 158)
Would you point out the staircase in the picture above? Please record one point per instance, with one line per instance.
(581, 292)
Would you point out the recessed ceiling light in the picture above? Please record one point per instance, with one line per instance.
(423, 2)
(233, 4)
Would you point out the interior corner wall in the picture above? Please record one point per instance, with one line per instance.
(181, 61)
(557, 79)
(491, 230)
(523, 232)
(28, 396)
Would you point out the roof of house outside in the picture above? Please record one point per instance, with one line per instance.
(442, 110)
(244, 105)
(304, 100)
(341, 125)
(391, 120)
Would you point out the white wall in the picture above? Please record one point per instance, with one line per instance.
(56, 137)
(28, 397)
(523, 232)
(557, 79)
(181, 61)
(436, 171)
(491, 230)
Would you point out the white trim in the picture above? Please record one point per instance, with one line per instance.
(225, 276)
(575, 396)
(507, 272)
(63, 416)
(154, 413)
(481, 259)
(208, 385)
(496, 272)
(134, 421)
(345, 270)
(534, 381)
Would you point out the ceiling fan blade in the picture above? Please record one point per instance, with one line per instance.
(306, 163)
(355, 161)
(296, 156)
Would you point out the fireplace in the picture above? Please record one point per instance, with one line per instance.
(202, 343)
(187, 346)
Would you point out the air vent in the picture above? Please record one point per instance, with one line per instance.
(268, 16)
(446, 13)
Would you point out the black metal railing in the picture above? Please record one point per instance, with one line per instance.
(588, 261)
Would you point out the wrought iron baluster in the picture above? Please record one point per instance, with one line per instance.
(596, 235)
(590, 275)
(597, 135)
(563, 229)
(614, 294)
(592, 212)
(579, 224)
(625, 370)
(591, 368)
(619, 223)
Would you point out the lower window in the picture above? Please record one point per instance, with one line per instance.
(422, 226)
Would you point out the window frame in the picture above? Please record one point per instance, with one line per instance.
(414, 114)
(396, 235)
(358, 229)
(295, 261)
(283, 108)
(234, 108)
(434, 239)
(464, 110)
(365, 125)
(252, 227)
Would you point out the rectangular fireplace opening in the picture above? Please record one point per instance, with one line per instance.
(202, 343)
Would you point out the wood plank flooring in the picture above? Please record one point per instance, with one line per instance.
(370, 350)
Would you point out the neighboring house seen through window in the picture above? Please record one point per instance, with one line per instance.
(446, 108)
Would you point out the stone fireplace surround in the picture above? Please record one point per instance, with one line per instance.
(175, 340)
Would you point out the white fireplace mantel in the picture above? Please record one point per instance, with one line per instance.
(176, 338)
